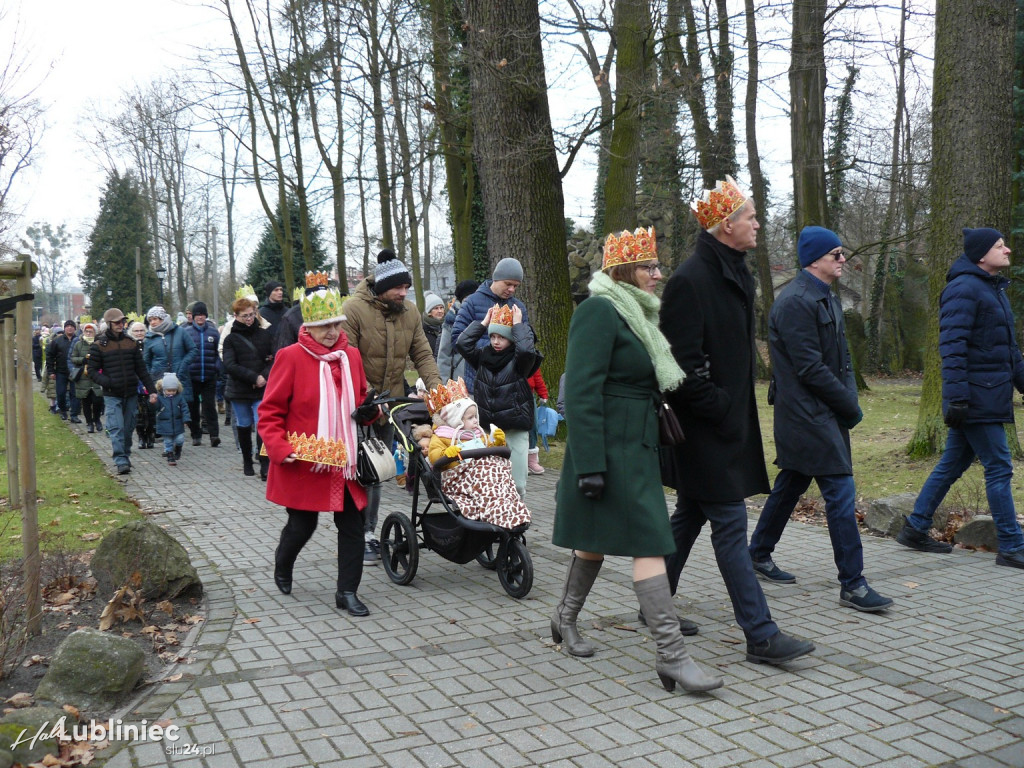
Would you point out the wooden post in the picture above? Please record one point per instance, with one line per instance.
(10, 411)
(27, 454)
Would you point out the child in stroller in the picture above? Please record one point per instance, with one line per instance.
(482, 487)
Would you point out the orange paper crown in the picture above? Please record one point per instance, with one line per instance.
(443, 394)
(718, 204)
(629, 247)
(502, 316)
(316, 279)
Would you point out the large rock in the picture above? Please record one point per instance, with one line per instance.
(886, 515)
(147, 549)
(979, 531)
(93, 671)
(22, 727)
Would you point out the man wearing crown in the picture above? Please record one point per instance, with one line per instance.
(707, 315)
(386, 329)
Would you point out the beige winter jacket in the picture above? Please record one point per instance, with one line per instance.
(386, 341)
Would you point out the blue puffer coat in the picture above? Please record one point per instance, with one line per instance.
(171, 415)
(981, 363)
(206, 363)
(473, 309)
(172, 352)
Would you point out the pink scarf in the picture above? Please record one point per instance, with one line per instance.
(334, 419)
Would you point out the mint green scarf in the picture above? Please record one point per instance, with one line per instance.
(639, 310)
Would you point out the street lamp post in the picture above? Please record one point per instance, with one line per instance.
(160, 272)
(110, 296)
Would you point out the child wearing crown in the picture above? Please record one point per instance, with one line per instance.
(482, 487)
(502, 386)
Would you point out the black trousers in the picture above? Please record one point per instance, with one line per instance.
(92, 407)
(204, 395)
(349, 522)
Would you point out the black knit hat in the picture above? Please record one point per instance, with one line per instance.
(466, 287)
(389, 272)
(270, 287)
(978, 242)
(199, 308)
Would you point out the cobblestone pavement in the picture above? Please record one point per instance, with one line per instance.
(450, 671)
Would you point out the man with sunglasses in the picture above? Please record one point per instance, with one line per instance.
(815, 399)
(115, 363)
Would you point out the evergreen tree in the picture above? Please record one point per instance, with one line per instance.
(121, 227)
(267, 263)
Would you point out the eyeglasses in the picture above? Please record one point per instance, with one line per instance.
(650, 269)
(246, 316)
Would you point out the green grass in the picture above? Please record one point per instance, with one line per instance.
(77, 500)
(881, 466)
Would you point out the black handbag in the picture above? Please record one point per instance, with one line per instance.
(75, 372)
(670, 432)
(375, 464)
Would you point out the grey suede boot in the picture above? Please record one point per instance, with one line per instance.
(673, 664)
(578, 582)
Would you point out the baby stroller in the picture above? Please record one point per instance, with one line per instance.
(440, 527)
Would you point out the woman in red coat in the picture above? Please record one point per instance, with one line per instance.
(306, 422)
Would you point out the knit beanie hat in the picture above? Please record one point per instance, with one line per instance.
(454, 413)
(71, 323)
(270, 287)
(389, 272)
(814, 243)
(508, 269)
(978, 242)
(466, 287)
(430, 301)
(156, 311)
(199, 308)
(170, 381)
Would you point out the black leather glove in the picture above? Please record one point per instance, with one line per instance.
(850, 423)
(956, 415)
(592, 486)
(367, 412)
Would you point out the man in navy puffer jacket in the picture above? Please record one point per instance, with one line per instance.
(981, 365)
(203, 373)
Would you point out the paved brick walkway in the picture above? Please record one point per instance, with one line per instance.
(450, 671)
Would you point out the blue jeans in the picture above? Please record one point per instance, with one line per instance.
(729, 540)
(66, 395)
(245, 412)
(988, 443)
(170, 443)
(120, 423)
(840, 514)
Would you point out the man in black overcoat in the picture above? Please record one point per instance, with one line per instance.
(707, 314)
(815, 399)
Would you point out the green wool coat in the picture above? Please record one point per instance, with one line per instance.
(611, 396)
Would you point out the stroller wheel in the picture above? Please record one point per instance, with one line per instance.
(399, 552)
(515, 568)
(487, 558)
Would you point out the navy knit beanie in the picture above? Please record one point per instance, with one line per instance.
(814, 243)
(978, 242)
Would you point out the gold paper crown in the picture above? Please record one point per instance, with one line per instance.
(502, 316)
(629, 248)
(443, 394)
(133, 317)
(319, 450)
(246, 292)
(718, 204)
(83, 319)
(323, 305)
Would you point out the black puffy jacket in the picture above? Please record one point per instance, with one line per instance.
(115, 363)
(248, 354)
(503, 396)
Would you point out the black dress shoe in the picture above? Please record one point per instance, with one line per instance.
(349, 602)
(197, 441)
(778, 649)
(214, 442)
(284, 583)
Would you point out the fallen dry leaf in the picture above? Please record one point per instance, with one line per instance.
(71, 710)
(89, 536)
(33, 660)
(166, 606)
(249, 621)
(20, 700)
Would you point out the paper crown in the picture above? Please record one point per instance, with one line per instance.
(323, 305)
(83, 319)
(718, 204)
(133, 317)
(443, 394)
(502, 316)
(246, 292)
(629, 247)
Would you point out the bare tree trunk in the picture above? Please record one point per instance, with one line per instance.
(376, 78)
(757, 184)
(519, 177)
(632, 73)
(807, 113)
(971, 160)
